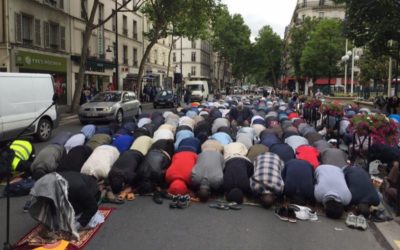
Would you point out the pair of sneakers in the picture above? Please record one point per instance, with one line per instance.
(180, 201)
(304, 213)
(286, 214)
(354, 221)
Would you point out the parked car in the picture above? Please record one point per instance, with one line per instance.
(22, 98)
(165, 98)
(110, 106)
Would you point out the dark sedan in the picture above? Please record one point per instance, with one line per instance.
(165, 98)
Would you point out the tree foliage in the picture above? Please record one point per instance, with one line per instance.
(324, 50)
(374, 23)
(372, 67)
(267, 56)
(299, 37)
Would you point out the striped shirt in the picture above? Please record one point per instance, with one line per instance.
(267, 174)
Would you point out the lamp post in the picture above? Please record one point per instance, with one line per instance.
(116, 45)
(349, 55)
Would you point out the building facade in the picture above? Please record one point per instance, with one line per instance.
(46, 36)
(313, 9)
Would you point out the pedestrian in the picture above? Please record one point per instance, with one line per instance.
(266, 182)
(331, 190)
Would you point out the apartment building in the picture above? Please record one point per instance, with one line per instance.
(196, 57)
(46, 36)
(303, 9)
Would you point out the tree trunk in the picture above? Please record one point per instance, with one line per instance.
(169, 55)
(141, 67)
(218, 75)
(223, 73)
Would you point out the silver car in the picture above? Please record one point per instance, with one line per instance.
(110, 106)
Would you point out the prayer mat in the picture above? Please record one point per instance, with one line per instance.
(34, 238)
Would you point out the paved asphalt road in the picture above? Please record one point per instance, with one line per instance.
(141, 224)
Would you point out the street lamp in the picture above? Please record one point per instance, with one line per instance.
(349, 55)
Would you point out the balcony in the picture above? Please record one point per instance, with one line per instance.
(125, 32)
(135, 36)
(319, 5)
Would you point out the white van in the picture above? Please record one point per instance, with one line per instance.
(23, 97)
(199, 90)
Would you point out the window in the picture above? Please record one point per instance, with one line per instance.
(193, 71)
(54, 35)
(46, 34)
(124, 25)
(174, 45)
(174, 57)
(135, 55)
(62, 38)
(114, 20)
(321, 15)
(155, 56)
(84, 11)
(38, 40)
(135, 35)
(193, 44)
(163, 58)
(321, 2)
(51, 2)
(304, 3)
(193, 56)
(115, 51)
(125, 55)
(18, 27)
(27, 29)
(61, 4)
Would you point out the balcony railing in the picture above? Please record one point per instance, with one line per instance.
(319, 4)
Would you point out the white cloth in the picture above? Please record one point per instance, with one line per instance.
(163, 134)
(100, 161)
(98, 218)
(296, 141)
(73, 141)
(143, 121)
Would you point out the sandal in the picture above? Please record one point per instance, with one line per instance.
(122, 196)
(130, 196)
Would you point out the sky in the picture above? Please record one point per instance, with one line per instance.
(258, 13)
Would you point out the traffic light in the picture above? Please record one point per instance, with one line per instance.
(177, 78)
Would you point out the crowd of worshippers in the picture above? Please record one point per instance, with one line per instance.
(264, 152)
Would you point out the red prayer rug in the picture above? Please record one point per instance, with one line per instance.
(33, 239)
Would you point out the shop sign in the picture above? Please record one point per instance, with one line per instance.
(35, 61)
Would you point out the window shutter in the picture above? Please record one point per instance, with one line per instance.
(18, 27)
(62, 37)
(46, 32)
(37, 33)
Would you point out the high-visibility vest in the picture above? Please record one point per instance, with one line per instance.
(23, 150)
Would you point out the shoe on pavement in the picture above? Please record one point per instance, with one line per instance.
(351, 220)
(157, 198)
(174, 202)
(362, 222)
(304, 213)
(313, 215)
(291, 215)
(183, 201)
(27, 206)
(282, 213)
(378, 215)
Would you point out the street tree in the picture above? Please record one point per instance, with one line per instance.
(374, 24)
(174, 17)
(267, 58)
(298, 39)
(322, 53)
(373, 68)
(231, 40)
(90, 25)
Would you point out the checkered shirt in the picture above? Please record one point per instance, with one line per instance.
(267, 174)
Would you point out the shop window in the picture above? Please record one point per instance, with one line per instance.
(38, 40)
